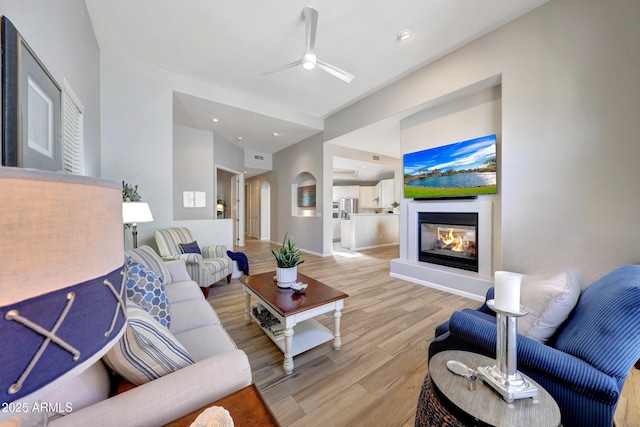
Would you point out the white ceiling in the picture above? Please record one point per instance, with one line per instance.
(350, 171)
(230, 43)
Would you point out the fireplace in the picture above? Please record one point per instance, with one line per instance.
(449, 239)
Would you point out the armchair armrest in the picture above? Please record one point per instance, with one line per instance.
(485, 308)
(187, 258)
(215, 251)
(535, 358)
(165, 399)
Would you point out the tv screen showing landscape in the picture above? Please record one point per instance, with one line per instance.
(462, 169)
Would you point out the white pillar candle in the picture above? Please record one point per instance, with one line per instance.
(507, 291)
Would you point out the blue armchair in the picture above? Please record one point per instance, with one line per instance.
(587, 361)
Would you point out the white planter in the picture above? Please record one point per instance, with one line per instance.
(286, 276)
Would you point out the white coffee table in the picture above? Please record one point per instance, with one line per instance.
(296, 313)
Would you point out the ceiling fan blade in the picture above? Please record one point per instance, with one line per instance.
(335, 71)
(284, 67)
(310, 25)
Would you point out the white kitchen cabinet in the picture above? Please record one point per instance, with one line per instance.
(385, 192)
(367, 196)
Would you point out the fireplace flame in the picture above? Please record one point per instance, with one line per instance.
(454, 241)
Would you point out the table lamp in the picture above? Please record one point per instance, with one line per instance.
(133, 213)
(61, 284)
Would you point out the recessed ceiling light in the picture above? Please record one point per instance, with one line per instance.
(214, 119)
(404, 34)
(239, 138)
(275, 133)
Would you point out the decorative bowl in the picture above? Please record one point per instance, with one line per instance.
(299, 287)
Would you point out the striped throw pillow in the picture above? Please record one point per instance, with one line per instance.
(147, 350)
(147, 256)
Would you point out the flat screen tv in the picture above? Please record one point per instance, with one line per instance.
(462, 169)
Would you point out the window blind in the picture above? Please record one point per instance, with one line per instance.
(72, 132)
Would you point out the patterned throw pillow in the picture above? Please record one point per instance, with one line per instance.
(146, 289)
(147, 350)
(190, 248)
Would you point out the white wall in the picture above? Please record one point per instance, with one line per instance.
(287, 164)
(469, 117)
(193, 171)
(250, 160)
(570, 130)
(137, 142)
(61, 35)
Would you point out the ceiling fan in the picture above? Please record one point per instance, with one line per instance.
(309, 60)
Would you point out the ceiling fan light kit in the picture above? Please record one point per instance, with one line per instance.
(404, 34)
(309, 59)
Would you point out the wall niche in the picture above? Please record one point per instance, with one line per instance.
(303, 195)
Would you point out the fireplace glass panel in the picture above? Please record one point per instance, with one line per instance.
(449, 239)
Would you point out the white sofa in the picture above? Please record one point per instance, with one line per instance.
(220, 369)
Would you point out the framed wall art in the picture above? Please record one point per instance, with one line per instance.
(31, 107)
(307, 196)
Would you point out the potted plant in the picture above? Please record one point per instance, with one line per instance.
(130, 194)
(288, 260)
(220, 205)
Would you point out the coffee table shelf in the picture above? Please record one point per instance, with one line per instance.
(309, 334)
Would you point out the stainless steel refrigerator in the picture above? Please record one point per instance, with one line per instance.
(346, 207)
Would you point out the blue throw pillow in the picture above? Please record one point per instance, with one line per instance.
(146, 289)
(190, 248)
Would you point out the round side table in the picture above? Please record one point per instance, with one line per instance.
(446, 400)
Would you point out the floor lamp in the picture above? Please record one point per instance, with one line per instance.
(133, 213)
(61, 288)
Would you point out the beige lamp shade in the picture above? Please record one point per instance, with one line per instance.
(61, 287)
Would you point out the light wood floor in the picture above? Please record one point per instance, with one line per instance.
(386, 327)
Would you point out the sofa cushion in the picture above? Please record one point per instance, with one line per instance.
(192, 314)
(178, 270)
(146, 289)
(218, 341)
(190, 248)
(147, 256)
(549, 300)
(147, 350)
(183, 291)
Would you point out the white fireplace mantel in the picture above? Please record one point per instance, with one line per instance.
(466, 283)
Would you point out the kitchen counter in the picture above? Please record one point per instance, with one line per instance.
(369, 230)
